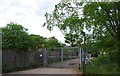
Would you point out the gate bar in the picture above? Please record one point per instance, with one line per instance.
(45, 57)
(62, 56)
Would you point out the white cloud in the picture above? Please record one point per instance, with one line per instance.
(30, 14)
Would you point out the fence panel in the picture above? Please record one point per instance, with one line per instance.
(14, 59)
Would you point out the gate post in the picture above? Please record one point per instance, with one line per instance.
(79, 57)
(54, 55)
(62, 55)
(45, 57)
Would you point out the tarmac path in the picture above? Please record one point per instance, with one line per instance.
(49, 70)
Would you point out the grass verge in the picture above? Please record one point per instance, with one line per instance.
(102, 66)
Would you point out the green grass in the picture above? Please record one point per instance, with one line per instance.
(102, 66)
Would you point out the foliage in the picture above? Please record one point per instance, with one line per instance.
(96, 19)
(71, 27)
(100, 19)
(106, 20)
(102, 66)
(15, 37)
(62, 13)
(52, 43)
(0, 38)
(72, 39)
(65, 17)
(104, 16)
(0, 29)
(37, 42)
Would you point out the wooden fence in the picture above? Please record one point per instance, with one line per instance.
(13, 59)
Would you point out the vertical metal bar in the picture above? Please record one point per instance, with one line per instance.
(62, 56)
(84, 61)
(45, 57)
(84, 54)
(36, 56)
(70, 55)
(80, 57)
(54, 55)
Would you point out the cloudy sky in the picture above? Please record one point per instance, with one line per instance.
(30, 14)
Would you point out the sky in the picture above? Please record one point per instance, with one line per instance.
(30, 14)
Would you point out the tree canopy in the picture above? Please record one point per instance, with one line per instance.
(52, 42)
(0, 38)
(15, 37)
(37, 41)
(100, 21)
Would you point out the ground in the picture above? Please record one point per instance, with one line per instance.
(49, 71)
(69, 67)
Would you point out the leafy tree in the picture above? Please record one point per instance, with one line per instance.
(37, 41)
(102, 20)
(65, 17)
(0, 38)
(106, 20)
(15, 37)
(62, 13)
(52, 43)
(0, 29)
(72, 39)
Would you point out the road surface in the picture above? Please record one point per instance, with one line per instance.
(55, 71)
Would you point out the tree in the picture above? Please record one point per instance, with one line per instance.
(62, 13)
(72, 30)
(0, 38)
(106, 20)
(72, 39)
(15, 37)
(52, 43)
(37, 41)
(65, 17)
(102, 20)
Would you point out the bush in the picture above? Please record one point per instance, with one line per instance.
(102, 66)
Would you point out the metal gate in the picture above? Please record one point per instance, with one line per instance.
(67, 57)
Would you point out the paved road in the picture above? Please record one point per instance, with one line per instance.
(66, 64)
(67, 70)
(49, 71)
